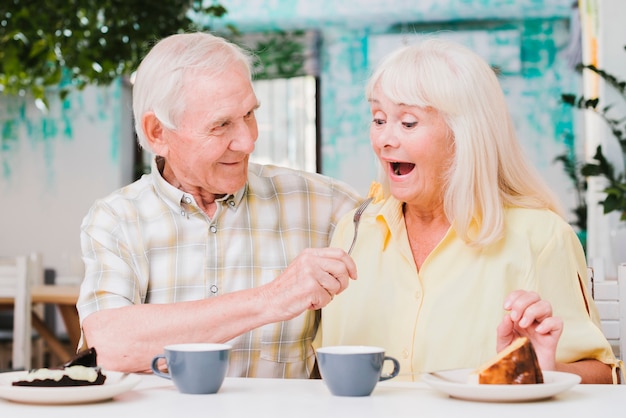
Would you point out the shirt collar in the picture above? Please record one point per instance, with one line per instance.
(391, 213)
(390, 219)
(177, 198)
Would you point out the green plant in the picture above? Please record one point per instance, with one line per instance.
(70, 44)
(280, 54)
(615, 199)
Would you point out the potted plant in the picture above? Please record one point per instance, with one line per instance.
(609, 168)
(615, 190)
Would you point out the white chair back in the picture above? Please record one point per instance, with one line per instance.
(17, 275)
(610, 298)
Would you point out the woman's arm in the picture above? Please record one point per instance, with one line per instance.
(591, 371)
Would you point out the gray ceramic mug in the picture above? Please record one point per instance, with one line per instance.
(194, 368)
(353, 370)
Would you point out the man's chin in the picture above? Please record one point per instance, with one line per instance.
(233, 176)
(232, 185)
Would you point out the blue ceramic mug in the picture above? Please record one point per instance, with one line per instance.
(353, 370)
(198, 368)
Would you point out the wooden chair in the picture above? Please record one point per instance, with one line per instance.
(610, 298)
(17, 275)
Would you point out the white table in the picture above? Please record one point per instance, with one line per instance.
(156, 397)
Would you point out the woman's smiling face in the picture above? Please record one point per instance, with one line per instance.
(415, 148)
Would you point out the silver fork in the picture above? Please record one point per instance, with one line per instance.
(357, 219)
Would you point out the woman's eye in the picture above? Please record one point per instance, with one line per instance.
(378, 121)
(249, 114)
(409, 124)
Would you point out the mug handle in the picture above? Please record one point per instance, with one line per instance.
(394, 372)
(155, 367)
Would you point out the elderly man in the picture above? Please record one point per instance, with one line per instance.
(209, 247)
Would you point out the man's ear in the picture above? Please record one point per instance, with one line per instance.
(153, 129)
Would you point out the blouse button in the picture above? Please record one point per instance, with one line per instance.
(213, 229)
(187, 200)
(214, 289)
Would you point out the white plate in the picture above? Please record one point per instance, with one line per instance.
(115, 384)
(454, 383)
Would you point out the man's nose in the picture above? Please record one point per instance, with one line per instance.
(244, 138)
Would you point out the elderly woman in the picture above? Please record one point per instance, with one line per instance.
(468, 249)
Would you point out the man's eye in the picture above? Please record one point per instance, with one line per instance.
(409, 124)
(249, 114)
(378, 121)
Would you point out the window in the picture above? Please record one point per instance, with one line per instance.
(287, 122)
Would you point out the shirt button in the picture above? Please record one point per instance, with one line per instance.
(213, 229)
(187, 200)
(231, 203)
(182, 213)
(214, 289)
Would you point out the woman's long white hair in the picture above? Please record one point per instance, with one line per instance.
(490, 171)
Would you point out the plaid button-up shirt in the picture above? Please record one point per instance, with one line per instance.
(150, 243)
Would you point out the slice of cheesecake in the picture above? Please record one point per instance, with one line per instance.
(516, 364)
(82, 370)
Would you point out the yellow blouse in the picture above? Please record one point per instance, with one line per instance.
(445, 316)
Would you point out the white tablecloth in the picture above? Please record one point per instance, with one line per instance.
(155, 397)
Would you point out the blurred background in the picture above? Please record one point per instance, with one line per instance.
(67, 141)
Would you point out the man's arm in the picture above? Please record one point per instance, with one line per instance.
(127, 338)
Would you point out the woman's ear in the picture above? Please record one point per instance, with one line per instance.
(153, 129)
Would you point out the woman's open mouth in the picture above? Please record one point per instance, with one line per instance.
(401, 169)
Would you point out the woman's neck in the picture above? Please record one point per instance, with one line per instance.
(425, 229)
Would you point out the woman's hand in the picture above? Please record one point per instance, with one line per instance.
(530, 316)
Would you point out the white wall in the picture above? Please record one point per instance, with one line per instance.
(64, 159)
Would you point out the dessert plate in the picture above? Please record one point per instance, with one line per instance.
(454, 383)
(115, 384)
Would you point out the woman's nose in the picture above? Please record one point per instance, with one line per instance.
(384, 137)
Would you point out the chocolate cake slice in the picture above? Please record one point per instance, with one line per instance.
(82, 370)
